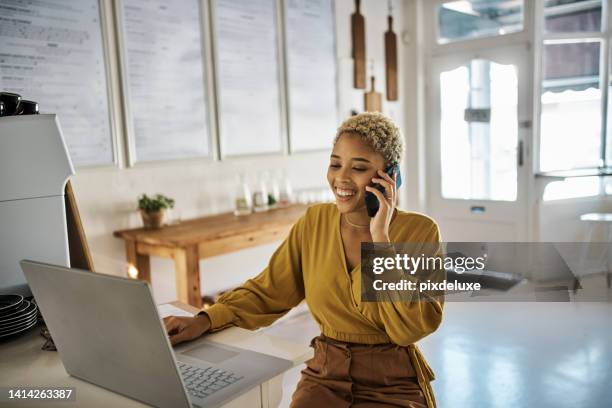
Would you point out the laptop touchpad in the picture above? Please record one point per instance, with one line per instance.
(210, 353)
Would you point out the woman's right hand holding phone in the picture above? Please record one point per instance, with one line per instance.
(182, 328)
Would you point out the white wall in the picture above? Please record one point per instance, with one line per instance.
(414, 87)
(107, 197)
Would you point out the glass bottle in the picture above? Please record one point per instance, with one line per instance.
(260, 195)
(285, 197)
(243, 204)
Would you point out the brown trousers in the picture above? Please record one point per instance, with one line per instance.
(358, 375)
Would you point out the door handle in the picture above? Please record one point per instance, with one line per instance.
(519, 154)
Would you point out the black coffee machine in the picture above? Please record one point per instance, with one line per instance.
(11, 104)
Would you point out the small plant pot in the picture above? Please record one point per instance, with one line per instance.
(153, 220)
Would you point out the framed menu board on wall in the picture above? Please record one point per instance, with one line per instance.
(311, 73)
(51, 51)
(245, 35)
(162, 51)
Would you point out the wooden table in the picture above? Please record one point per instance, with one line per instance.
(189, 241)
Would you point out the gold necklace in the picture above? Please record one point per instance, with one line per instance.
(354, 225)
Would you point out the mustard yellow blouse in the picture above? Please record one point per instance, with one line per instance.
(310, 264)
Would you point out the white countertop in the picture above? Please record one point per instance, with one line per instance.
(24, 364)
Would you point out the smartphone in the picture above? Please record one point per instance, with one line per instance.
(372, 204)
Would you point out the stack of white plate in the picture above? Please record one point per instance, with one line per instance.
(16, 315)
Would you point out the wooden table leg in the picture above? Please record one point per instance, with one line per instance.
(142, 263)
(187, 263)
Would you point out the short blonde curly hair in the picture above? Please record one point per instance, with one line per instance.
(379, 131)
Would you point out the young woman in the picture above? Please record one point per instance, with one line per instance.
(365, 355)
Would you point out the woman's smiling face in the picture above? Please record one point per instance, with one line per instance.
(353, 164)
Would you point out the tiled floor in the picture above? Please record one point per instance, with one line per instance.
(507, 354)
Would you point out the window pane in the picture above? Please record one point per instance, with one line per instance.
(609, 125)
(572, 16)
(571, 188)
(461, 20)
(479, 132)
(570, 133)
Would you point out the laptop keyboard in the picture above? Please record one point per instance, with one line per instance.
(202, 382)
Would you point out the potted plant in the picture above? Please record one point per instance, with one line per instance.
(153, 209)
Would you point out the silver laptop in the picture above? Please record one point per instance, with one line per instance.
(108, 332)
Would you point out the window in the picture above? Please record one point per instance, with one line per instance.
(462, 20)
(570, 133)
(608, 134)
(574, 187)
(573, 16)
(478, 131)
(571, 115)
(575, 111)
